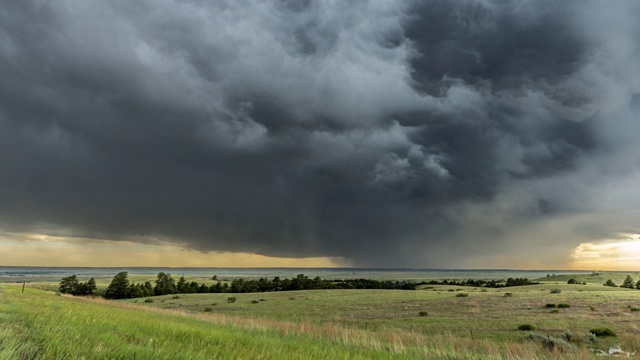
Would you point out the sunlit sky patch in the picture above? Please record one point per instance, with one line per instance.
(612, 254)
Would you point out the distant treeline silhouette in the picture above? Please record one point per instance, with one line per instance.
(483, 283)
(121, 288)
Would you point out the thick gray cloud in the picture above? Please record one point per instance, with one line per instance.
(425, 134)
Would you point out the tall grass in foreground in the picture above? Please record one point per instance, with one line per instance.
(40, 325)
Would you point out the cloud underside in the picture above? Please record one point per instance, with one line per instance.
(427, 134)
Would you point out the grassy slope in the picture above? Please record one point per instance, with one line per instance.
(316, 324)
(39, 325)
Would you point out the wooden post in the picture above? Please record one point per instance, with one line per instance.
(23, 284)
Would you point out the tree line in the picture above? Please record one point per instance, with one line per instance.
(121, 288)
(484, 283)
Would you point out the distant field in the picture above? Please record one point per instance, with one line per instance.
(326, 324)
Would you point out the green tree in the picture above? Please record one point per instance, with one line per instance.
(610, 283)
(182, 287)
(638, 285)
(148, 288)
(91, 285)
(628, 282)
(165, 284)
(68, 284)
(119, 287)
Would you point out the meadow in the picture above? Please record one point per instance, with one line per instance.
(433, 322)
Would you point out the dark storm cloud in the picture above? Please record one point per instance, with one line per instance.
(386, 133)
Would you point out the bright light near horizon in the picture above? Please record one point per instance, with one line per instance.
(611, 254)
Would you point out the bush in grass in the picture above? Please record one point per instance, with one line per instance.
(610, 283)
(565, 335)
(602, 332)
(263, 299)
(175, 297)
(526, 327)
(423, 313)
(634, 308)
(593, 308)
(552, 343)
(483, 290)
(555, 291)
(591, 337)
(462, 295)
(628, 283)
(554, 311)
(550, 305)
(450, 290)
(564, 306)
(255, 301)
(148, 300)
(208, 309)
(231, 299)
(572, 281)
(508, 294)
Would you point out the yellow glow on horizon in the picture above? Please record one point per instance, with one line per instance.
(29, 249)
(621, 254)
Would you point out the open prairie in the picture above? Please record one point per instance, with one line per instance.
(432, 322)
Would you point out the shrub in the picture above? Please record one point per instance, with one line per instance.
(462, 295)
(263, 299)
(148, 300)
(572, 281)
(591, 337)
(565, 335)
(450, 290)
(483, 290)
(508, 294)
(292, 298)
(552, 343)
(423, 313)
(550, 305)
(564, 306)
(526, 327)
(602, 332)
(555, 291)
(175, 297)
(231, 299)
(610, 283)
(555, 311)
(208, 309)
(634, 309)
(255, 301)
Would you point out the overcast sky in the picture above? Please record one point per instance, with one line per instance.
(376, 133)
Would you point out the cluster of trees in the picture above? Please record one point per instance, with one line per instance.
(628, 283)
(71, 285)
(302, 282)
(485, 283)
(573, 281)
(121, 288)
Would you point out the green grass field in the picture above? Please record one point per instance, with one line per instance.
(321, 324)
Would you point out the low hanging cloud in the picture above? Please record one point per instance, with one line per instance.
(423, 134)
